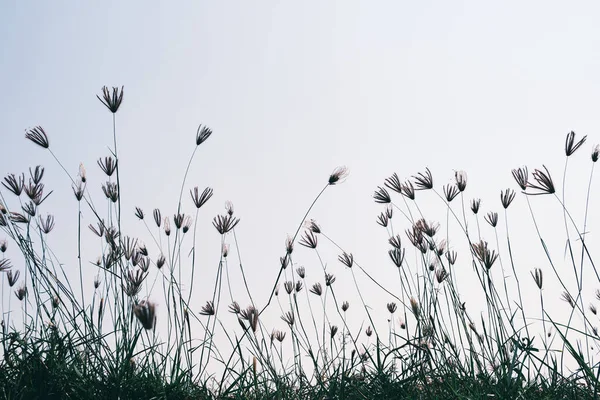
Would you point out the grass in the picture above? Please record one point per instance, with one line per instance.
(60, 341)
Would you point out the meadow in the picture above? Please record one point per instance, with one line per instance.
(431, 341)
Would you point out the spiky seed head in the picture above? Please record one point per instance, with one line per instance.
(451, 256)
(486, 256)
(157, 217)
(55, 302)
(108, 165)
(316, 289)
(38, 136)
(312, 226)
(284, 261)
(111, 191)
(200, 199)
(441, 274)
(461, 180)
(225, 223)
(383, 219)
(289, 318)
(593, 309)
(369, 331)
(521, 176)
(595, 153)
(382, 196)
(338, 175)
(14, 184)
(36, 174)
(235, 308)
(475, 204)
(21, 292)
(492, 218)
(345, 306)
(332, 330)
(298, 286)
(389, 211)
(424, 181)
(202, 133)
(46, 225)
(5, 265)
(78, 189)
(3, 245)
(392, 307)
(112, 101)
(568, 298)
(450, 192)
(570, 145)
(329, 279)
(397, 256)
(160, 261)
(544, 185)
(507, 196)
(538, 277)
(139, 213)
(279, 336)
(301, 271)
(395, 241)
(347, 259)
(309, 239)
(145, 312)
(289, 287)
(12, 277)
(393, 183)
(289, 245)
(208, 309)
(97, 282)
(408, 190)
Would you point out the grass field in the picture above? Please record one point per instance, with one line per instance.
(59, 341)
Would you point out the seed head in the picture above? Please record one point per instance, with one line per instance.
(570, 145)
(37, 174)
(369, 331)
(382, 196)
(424, 181)
(38, 136)
(167, 226)
(97, 282)
(250, 314)
(14, 184)
(395, 241)
(450, 192)
(544, 182)
(301, 271)
(507, 197)
(567, 297)
(289, 287)
(225, 223)
(312, 226)
(593, 309)
(139, 213)
(234, 308)
(492, 218)
(82, 174)
(4, 265)
(46, 225)
(451, 256)
(108, 165)
(393, 183)
(461, 180)
(157, 217)
(12, 277)
(521, 175)
(475, 204)
(484, 254)
(160, 262)
(329, 279)
(279, 336)
(383, 219)
(338, 175)
(392, 307)
(3, 245)
(332, 330)
(595, 153)
(208, 308)
(111, 191)
(408, 190)
(288, 317)
(345, 306)
(78, 189)
(202, 133)
(145, 313)
(316, 289)
(21, 292)
(538, 277)
(225, 250)
(441, 275)
(309, 239)
(100, 231)
(200, 199)
(298, 286)
(397, 256)
(347, 259)
(112, 102)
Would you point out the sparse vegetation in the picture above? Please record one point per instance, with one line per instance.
(60, 342)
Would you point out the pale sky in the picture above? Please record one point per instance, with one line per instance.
(292, 91)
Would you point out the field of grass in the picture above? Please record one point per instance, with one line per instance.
(60, 342)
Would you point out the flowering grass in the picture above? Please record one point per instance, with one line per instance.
(430, 341)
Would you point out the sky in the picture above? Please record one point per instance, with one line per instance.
(291, 91)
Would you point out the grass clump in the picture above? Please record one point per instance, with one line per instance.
(486, 340)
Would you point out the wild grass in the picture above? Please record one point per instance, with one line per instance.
(487, 340)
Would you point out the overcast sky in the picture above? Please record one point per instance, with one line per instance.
(291, 91)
